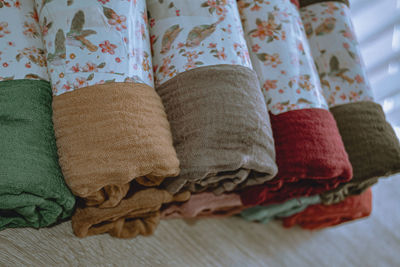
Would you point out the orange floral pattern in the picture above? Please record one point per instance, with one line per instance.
(336, 53)
(189, 34)
(280, 55)
(22, 54)
(95, 41)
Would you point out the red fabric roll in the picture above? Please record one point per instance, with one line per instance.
(296, 3)
(310, 155)
(321, 216)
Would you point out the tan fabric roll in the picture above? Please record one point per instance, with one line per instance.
(110, 134)
(220, 127)
(138, 214)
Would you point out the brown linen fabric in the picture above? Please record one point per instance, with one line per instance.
(221, 129)
(138, 214)
(113, 138)
(110, 134)
(205, 205)
(372, 146)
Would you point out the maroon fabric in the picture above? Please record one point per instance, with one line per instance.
(296, 2)
(310, 155)
(320, 216)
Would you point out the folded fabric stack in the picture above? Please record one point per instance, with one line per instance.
(205, 109)
(32, 188)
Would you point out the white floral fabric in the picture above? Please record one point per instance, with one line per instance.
(336, 53)
(22, 53)
(280, 55)
(187, 34)
(95, 41)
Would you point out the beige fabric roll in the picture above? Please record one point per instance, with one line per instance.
(221, 129)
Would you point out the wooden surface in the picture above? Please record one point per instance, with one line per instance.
(225, 242)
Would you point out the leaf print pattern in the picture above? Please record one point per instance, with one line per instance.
(93, 42)
(280, 55)
(189, 34)
(22, 54)
(336, 53)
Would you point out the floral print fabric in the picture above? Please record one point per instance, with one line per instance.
(280, 55)
(336, 53)
(187, 34)
(21, 49)
(95, 41)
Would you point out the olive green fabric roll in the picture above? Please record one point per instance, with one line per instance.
(32, 188)
(304, 3)
(264, 214)
(372, 146)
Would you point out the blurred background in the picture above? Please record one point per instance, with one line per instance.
(377, 25)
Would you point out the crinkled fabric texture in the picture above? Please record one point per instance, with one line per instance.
(205, 204)
(265, 214)
(220, 127)
(32, 188)
(322, 216)
(108, 136)
(137, 214)
(304, 3)
(310, 156)
(371, 144)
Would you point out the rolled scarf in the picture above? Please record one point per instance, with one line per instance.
(205, 205)
(321, 216)
(32, 188)
(370, 141)
(218, 117)
(112, 132)
(265, 214)
(310, 154)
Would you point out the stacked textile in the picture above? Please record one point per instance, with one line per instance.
(32, 188)
(219, 121)
(113, 137)
(309, 150)
(205, 109)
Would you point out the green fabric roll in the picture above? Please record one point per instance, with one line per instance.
(264, 214)
(372, 146)
(32, 188)
(304, 3)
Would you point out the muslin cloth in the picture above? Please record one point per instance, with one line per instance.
(370, 141)
(205, 205)
(112, 132)
(32, 188)
(219, 121)
(265, 214)
(321, 216)
(309, 151)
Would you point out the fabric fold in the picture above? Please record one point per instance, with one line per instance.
(265, 214)
(220, 127)
(203, 73)
(112, 132)
(370, 141)
(109, 135)
(138, 214)
(321, 216)
(310, 153)
(32, 188)
(205, 205)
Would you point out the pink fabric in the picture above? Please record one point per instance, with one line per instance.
(205, 204)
